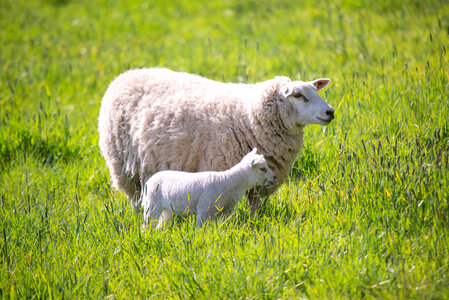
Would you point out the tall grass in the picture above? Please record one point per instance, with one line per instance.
(364, 213)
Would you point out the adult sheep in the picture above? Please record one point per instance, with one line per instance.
(157, 119)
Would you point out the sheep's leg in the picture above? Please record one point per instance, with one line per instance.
(137, 205)
(131, 188)
(125, 182)
(133, 193)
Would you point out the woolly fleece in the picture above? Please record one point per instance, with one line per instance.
(157, 119)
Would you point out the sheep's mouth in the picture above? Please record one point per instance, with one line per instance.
(326, 121)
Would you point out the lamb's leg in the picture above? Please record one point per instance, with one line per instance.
(200, 221)
(151, 215)
(165, 217)
(202, 217)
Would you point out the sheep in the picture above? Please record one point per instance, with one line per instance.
(205, 194)
(156, 119)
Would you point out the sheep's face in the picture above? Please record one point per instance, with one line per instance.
(308, 106)
(259, 172)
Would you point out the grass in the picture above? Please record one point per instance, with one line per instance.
(364, 214)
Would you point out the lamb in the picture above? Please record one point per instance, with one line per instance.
(205, 194)
(156, 119)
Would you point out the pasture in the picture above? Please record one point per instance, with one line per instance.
(364, 213)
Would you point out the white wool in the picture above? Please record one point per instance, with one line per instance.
(205, 194)
(157, 119)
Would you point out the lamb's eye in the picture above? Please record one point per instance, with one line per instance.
(263, 170)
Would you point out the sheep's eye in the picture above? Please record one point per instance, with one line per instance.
(306, 100)
(263, 170)
(297, 95)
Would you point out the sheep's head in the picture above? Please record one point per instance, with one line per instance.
(259, 172)
(308, 106)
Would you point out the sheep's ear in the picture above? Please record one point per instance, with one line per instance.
(285, 91)
(254, 150)
(321, 83)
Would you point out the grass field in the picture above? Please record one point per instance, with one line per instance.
(364, 214)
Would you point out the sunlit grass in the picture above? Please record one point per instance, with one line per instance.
(364, 213)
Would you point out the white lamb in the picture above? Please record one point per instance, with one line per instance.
(205, 194)
(156, 119)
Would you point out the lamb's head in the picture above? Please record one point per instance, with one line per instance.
(259, 174)
(308, 107)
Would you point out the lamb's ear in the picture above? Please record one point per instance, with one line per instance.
(253, 163)
(256, 160)
(254, 150)
(285, 91)
(321, 83)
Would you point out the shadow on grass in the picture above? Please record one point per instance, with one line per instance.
(47, 149)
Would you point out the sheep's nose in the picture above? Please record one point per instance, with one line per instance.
(330, 113)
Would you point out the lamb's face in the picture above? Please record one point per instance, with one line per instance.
(309, 107)
(260, 173)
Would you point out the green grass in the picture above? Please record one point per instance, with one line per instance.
(364, 214)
